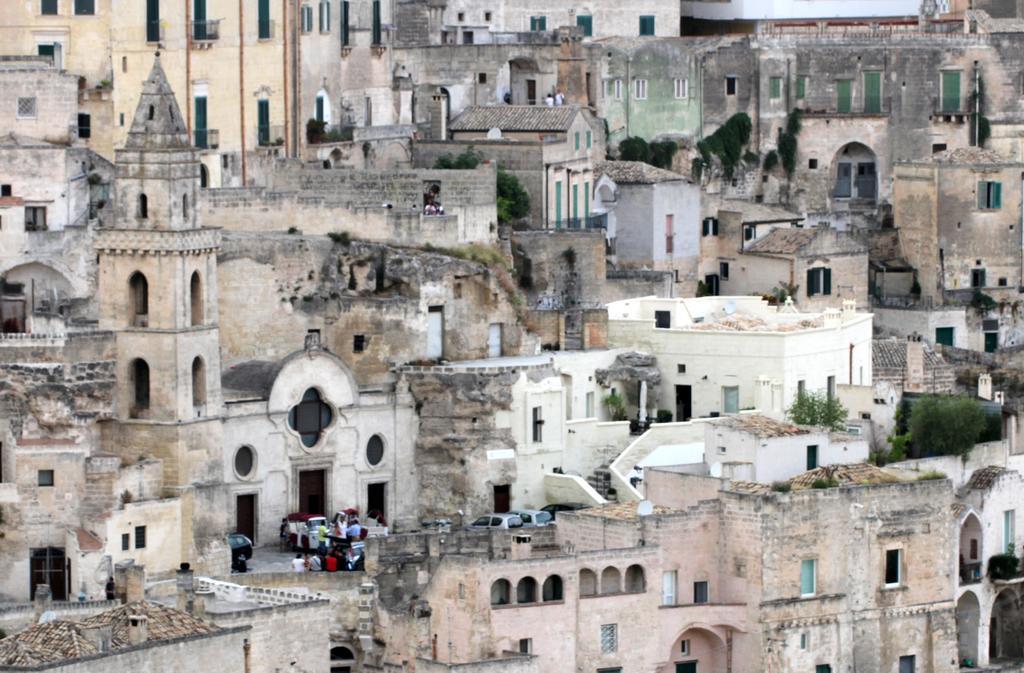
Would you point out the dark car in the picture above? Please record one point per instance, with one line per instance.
(240, 546)
(554, 509)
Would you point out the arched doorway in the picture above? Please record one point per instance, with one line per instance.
(855, 174)
(697, 650)
(1006, 626)
(970, 550)
(343, 660)
(968, 614)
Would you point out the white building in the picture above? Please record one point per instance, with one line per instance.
(754, 10)
(718, 355)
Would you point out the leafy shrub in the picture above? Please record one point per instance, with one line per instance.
(1003, 566)
(616, 406)
(341, 237)
(467, 160)
(771, 160)
(782, 487)
(727, 143)
(664, 416)
(946, 425)
(931, 475)
(513, 201)
(818, 409)
(824, 483)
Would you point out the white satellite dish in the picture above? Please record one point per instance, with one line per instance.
(48, 616)
(730, 307)
(494, 134)
(645, 508)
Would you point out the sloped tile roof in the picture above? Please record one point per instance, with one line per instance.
(752, 487)
(625, 511)
(844, 475)
(760, 426)
(782, 241)
(892, 354)
(635, 172)
(984, 478)
(45, 643)
(968, 155)
(515, 118)
(163, 622)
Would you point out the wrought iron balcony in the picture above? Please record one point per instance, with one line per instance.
(206, 31)
(207, 139)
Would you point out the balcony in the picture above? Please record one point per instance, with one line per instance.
(270, 136)
(950, 111)
(592, 222)
(970, 573)
(206, 31)
(207, 139)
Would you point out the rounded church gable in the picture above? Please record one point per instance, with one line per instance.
(313, 369)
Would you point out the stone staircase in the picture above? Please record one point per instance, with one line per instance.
(601, 481)
(573, 330)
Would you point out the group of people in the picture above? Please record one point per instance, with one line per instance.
(555, 99)
(339, 544)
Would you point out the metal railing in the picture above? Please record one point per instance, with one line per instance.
(207, 139)
(206, 31)
(592, 222)
(970, 573)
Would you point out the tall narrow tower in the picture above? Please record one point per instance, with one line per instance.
(158, 293)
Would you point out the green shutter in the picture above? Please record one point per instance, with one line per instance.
(647, 25)
(577, 137)
(200, 125)
(775, 87)
(344, 23)
(997, 195)
(319, 108)
(843, 95)
(944, 336)
(199, 20)
(950, 92)
(801, 87)
(586, 199)
(586, 22)
(812, 282)
(45, 49)
(807, 577)
(263, 122)
(576, 202)
(376, 21)
(264, 19)
(558, 204)
(826, 281)
(48, 7)
(982, 195)
(872, 92)
(590, 140)
(538, 23)
(152, 20)
(86, 7)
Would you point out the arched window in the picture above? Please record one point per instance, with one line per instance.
(588, 583)
(501, 592)
(152, 112)
(375, 450)
(245, 461)
(635, 579)
(552, 590)
(310, 417)
(139, 372)
(143, 207)
(184, 206)
(138, 299)
(195, 293)
(198, 382)
(611, 580)
(526, 590)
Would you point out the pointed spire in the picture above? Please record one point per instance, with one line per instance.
(158, 123)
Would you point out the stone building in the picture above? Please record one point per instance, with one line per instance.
(652, 219)
(718, 355)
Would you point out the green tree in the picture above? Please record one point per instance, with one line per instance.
(513, 201)
(662, 153)
(467, 160)
(946, 425)
(635, 149)
(818, 409)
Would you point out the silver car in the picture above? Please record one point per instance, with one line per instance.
(534, 518)
(504, 520)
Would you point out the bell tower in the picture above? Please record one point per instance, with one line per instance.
(158, 294)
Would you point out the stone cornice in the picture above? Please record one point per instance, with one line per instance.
(157, 242)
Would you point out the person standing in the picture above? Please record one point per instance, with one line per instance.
(559, 99)
(322, 534)
(549, 100)
(111, 589)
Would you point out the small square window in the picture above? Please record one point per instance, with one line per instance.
(487, 16)
(481, 78)
(462, 17)
(140, 537)
(126, 541)
(680, 369)
(5, 190)
(812, 164)
(526, 645)
(45, 477)
(723, 270)
(1002, 282)
(27, 108)
(700, 592)
(85, 7)
(48, 7)
(358, 343)
(721, 449)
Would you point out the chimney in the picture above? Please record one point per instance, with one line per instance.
(134, 583)
(522, 546)
(42, 601)
(185, 582)
(199, 604)
(985, 386)
(913, 380)
(99, 636)
(138, 629)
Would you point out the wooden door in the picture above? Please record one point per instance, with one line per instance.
(245, 515)
(47, 566)
(531, 92)
(502, 497)
(312, 492)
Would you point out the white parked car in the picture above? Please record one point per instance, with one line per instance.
(505, 520)
(534, 518)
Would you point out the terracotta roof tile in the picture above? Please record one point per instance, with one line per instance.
(163, 623)
(87, 540)
(515, 118)
(984, 478)
(625, 511)
(760, 426)
(892, 354)
(844, 475)
(635, 172)
(782, 241)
